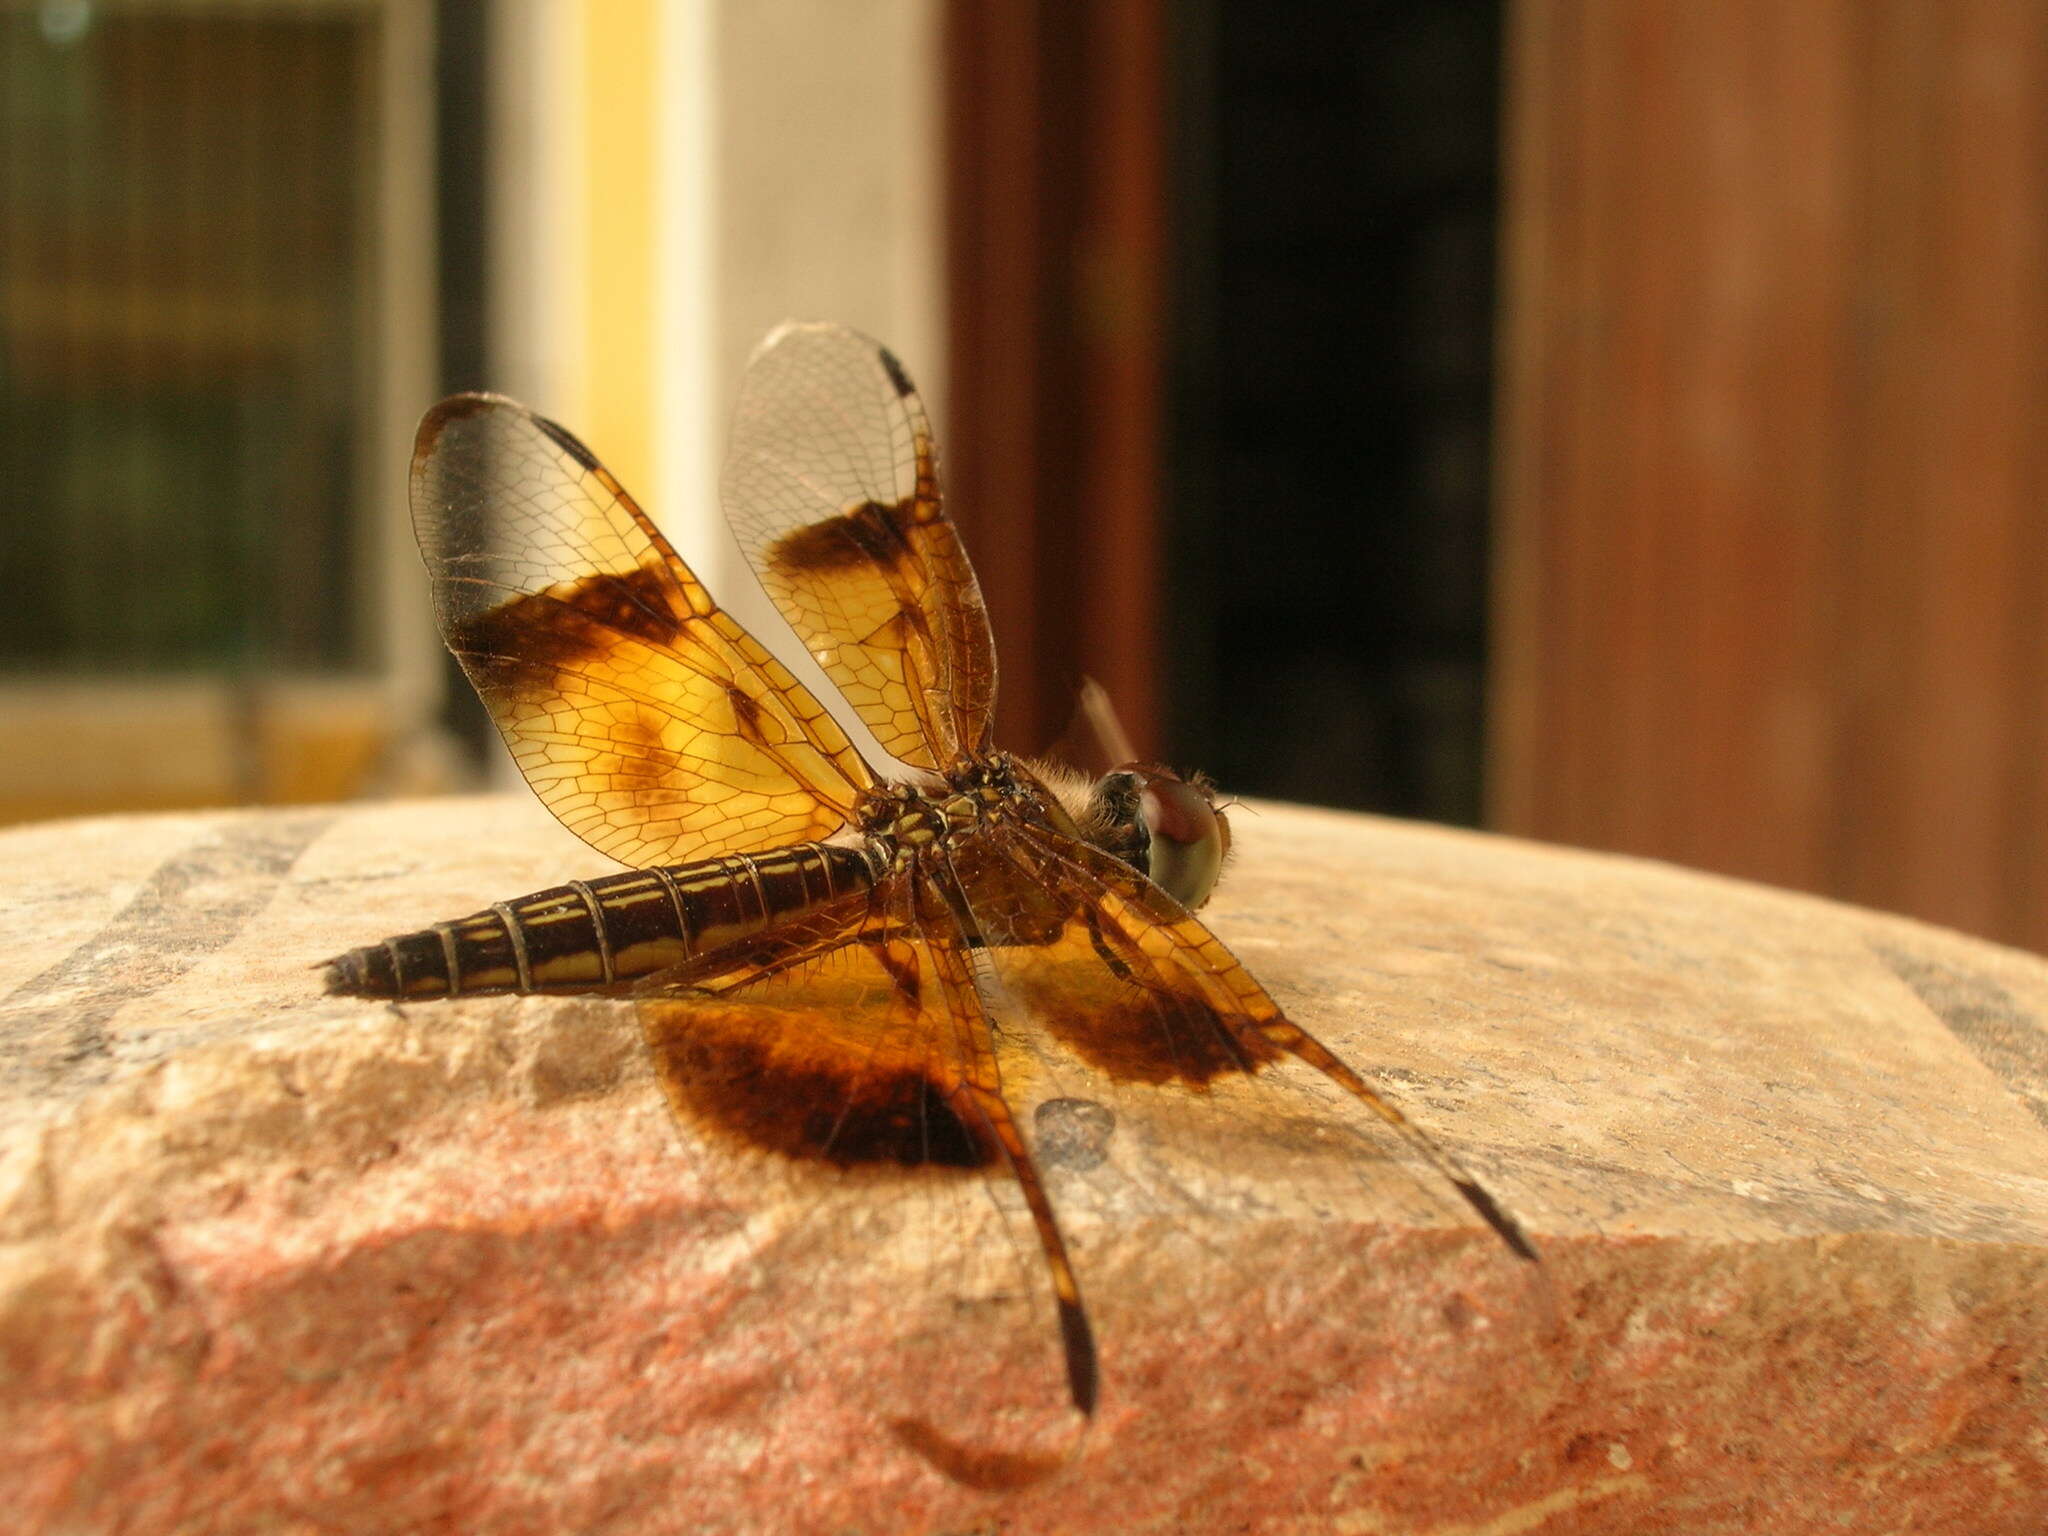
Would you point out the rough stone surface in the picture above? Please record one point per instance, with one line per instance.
(273, 1261)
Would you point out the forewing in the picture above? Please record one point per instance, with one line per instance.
(831, 486)
(643, 716)
(1094, 1069)
(1136, 986)
(849, 1050)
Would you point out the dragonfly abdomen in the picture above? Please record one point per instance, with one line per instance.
(591, 933)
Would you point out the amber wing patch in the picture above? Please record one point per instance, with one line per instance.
(1137, 986)
(832, 487)
(1109, 966)
(644, 717)
(824, 1040)
(856, 1038)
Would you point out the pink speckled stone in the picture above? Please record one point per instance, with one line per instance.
(271, 1261)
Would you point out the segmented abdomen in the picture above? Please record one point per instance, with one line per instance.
(590, 933)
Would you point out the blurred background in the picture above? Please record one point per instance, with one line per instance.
(1616, 423)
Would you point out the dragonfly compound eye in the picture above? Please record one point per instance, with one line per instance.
(1188, 838)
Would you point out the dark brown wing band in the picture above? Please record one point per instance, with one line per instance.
(832, 487)
(643, 716)
(1178, 1005)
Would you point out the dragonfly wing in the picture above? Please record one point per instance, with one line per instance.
(831, 485)
(642, 714)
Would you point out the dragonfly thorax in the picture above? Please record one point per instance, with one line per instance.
(913, 817)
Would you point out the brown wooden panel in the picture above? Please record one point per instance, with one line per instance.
(1771, 563)
(1056, 226)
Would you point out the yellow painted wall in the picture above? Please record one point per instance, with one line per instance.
(620, 51)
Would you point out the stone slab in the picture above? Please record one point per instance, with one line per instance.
(276, 1261)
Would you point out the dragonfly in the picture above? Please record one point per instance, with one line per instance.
(896, 928)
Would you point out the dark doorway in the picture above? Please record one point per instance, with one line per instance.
(1328, 442)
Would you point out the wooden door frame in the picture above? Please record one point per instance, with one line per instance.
(1056, 189)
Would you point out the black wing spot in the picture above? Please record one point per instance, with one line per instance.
(898, 379)
(1499, 1220)
(1079, 1339)
(568, 442)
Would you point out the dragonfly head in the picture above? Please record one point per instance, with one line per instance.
(1189, 834)
(1164, 824)
(1168, 825)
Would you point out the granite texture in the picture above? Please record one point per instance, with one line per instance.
(271, 1261)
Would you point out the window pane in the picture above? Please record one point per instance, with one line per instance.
(184, 335)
